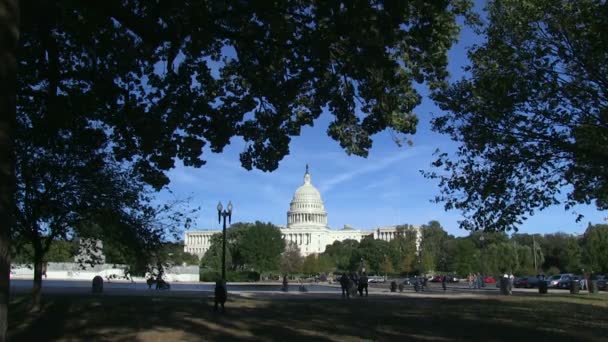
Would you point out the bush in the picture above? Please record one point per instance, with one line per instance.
(244, 276)
(209, 276)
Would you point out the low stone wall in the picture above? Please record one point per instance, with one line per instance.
(74, 271)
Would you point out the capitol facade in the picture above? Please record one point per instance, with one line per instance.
(306, 226)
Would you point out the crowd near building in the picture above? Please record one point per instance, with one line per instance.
(306, 226)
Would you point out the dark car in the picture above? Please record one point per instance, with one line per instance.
(408, 281)
(602, 281)
(526, 282)
(453, 279)
(566, 282)
(436, 279)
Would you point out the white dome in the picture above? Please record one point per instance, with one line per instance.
(306, 207)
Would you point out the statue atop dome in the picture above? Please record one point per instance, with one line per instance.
(307, 176)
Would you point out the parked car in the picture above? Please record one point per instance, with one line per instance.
(553, 281)
(526, 282)
(408, 281)
(453, 279)
(489, 280)
(565, 282)
(376, 279)
(602, 281)
(436, 279)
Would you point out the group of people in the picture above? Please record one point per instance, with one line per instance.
(476, 280)
(351, 284)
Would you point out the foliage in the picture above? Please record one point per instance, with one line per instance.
(173, 254)
(432, 253)
(386, 266)
(317, 264)
(262, 246)
(342, 253)
(166, 85)
(232, 276)
(561, 251)
(466, 257)
(595, 247)
(531, 115)
(60, 251)
(403, 250)
(213, 257)
(291, 260)
(372, 252)
(249, 246)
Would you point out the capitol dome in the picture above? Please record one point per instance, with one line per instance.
(306, 208)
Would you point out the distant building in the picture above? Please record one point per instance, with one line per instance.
(306, 226)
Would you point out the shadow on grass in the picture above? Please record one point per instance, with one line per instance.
(108, 318)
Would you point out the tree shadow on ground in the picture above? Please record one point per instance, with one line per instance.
(112, 318)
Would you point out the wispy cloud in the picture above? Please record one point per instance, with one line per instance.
(183, 175)
(369, 167)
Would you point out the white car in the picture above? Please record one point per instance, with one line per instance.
(375, 279)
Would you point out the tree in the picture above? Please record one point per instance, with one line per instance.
(141, 73)
(341, 253)
(318, 263)
(235, 236)
(10, 17)
(403, 249)
(60, 186)
(595, 245)
(432, 253)
(291, 260)
(466, 257)
(173, 254)
(213, 257)
(561, 251)
(60, 251)
(386, 266)
(262, 246)
(532, 115)
(371, 251)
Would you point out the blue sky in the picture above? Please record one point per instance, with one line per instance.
(386, 188)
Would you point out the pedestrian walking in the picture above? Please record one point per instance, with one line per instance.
(344, 284)
(363, 284)
(443, 282)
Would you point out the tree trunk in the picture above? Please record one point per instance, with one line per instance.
(38, 266)
(9, 36)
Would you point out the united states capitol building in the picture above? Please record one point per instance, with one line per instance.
(306, 226)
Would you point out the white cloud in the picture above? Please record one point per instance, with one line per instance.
(370, 166)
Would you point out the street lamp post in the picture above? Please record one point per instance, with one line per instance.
(481, 263)
(225, 213)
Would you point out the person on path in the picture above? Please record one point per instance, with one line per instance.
(443, 282)
(363, 284)
(352, 284)
(221, 293)
(344, 284)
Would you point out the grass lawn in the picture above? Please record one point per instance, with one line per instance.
(400, 318)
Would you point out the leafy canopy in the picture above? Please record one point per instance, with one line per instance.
(165, 79)
(532, 115)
